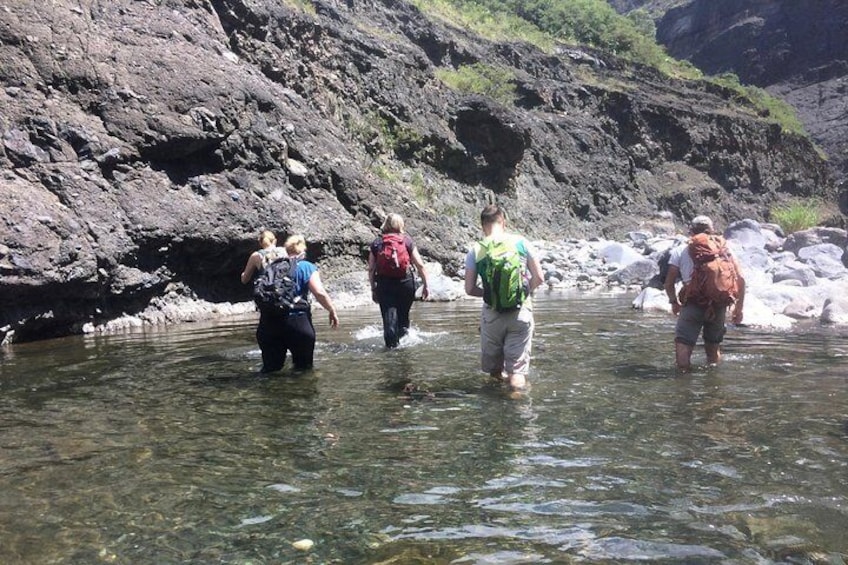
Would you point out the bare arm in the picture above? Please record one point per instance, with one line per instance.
(536, 277)
(372, 272)
(740, 301)
(471, 288)
(316, 287)
(254, 263)
(670, 290)
(419, 266)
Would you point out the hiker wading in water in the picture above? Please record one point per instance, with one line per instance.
(285, 324)
(705, 297)
(509, 270)
(390, 260)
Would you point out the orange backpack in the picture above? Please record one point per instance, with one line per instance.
(715, 282)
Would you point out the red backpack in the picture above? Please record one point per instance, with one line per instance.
(393, 256)
(715, 282)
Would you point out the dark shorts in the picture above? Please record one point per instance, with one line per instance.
(693, 318)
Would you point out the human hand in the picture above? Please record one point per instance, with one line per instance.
(425, 293)
(737, 315)
(675, 308)
(334, 319)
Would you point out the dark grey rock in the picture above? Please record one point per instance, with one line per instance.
(814, 236)
(746, 233)
(159, 152)
(825, 259)
(639, 272)
(796, 50)
(799, 272)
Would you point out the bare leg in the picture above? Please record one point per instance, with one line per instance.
(517, 381)
(713, 353)
(683, 355)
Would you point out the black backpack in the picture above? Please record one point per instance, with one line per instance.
(274, 288)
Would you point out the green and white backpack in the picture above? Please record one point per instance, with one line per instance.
(500, 266)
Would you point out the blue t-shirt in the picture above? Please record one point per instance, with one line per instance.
(303, 272)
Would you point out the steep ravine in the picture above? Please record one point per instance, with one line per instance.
(146, 143)
(795, 50)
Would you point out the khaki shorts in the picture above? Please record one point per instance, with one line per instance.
(692, 319)
(505, 340)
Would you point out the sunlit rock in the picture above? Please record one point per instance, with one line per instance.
(835, 310)
(757, 314)
(303, 544)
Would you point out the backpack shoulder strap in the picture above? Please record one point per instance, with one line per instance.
(481, 249)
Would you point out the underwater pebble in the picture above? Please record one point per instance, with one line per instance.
(303, 544)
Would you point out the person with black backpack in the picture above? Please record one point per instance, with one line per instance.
(391, 257)
(282, 282)
(712, 282)
(268, 251)
(509, 269)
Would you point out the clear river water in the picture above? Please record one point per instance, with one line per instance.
(165, 446)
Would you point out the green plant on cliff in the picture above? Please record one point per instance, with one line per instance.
(481, 20)
(796, 216)
(304, 5)
(479, 78)
(545, 23)
(769, 107)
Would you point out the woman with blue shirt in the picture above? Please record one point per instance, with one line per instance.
(279, 333)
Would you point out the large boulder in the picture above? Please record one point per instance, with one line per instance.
(619, 254)
(796, 271)
(814, 236)
(746, 233)
(835, 310)
(638, 272)
(825, 259)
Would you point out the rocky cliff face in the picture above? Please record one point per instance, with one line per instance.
(144, 144)
(796, 50)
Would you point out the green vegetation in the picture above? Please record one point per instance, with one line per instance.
(423, 191)
(493, 25)
(643, 22)
(479, 78)
(383, 172)
(546, 23)
(381, 135)
(304, 5)
(420, 189)
(797, 216)
(768, 106)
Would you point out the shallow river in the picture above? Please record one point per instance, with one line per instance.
(166, 446)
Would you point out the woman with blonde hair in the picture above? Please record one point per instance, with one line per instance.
(281, 331)
(268, 251)
(391, 257)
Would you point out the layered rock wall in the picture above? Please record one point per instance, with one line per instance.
(144, 144)
(796, 50)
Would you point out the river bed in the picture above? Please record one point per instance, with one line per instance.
(165, 445)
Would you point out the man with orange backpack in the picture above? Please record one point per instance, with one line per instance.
(390, 260)
(712, 282)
